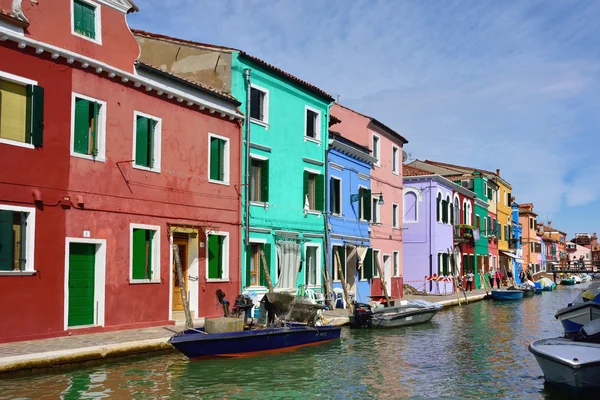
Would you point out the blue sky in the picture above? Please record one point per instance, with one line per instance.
(512, 85)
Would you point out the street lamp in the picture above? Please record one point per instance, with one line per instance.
(356, 197)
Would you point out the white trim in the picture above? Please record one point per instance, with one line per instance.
(418, 198)
(265, 121)
(203, 101)
(335, 166)
(17, 143)
(225, 277)
(359, 205)
(101, 128)
(317, 138)
(449, 210)
(395, 160)
(157, 142)
(99, 280)
(155, 253)
(258, 240)
(335, 270)
(19, 80)
(375, 211)
(395, 259)
(318, 263)
(340, 196)
(364, 177)
(258, 157)
(227, 160)
(378, 150)
(97, 22)
(379, 261)
(313, 171)
(395, 215)
(29, 239)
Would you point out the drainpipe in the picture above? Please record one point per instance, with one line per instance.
(429, 228)
(329, 283)
(247, 186)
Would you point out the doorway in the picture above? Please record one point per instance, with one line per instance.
(351, 269)
(181, 240)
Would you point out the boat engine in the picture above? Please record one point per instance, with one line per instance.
(362, 316)
(243, 304)
(225, 303)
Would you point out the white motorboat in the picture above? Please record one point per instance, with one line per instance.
(577, 279)
(574, 365)
(585, 308)
(586, 278)
(412, 313)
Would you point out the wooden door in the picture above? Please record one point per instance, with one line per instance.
(177, 300)
(82, 262)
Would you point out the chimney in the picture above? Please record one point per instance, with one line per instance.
(498, 171)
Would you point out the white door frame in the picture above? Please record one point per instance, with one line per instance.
(193, 270)
(99, 280)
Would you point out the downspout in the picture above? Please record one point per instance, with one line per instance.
(328, 276)
(429, 227)
(247, 145)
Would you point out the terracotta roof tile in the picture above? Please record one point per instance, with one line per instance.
(452, 166)
(219, 93)
(243, 54)
(407, 170)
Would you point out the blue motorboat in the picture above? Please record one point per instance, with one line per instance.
(196, 344)
(504, 295)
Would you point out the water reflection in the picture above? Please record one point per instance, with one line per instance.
(477, 351)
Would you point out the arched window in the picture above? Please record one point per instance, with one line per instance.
(448, 209)
(410, 207)
(439, 207)
(469, 216)
(456, 211)
(464, 219)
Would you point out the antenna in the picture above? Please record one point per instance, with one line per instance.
(405, 156)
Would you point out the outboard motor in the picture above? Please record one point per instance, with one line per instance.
(243, 304)
(362, 316)
(590, 332)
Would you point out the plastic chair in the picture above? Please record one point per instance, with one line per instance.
(315, 297)
(339, 297)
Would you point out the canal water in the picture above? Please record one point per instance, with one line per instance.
(474, 352)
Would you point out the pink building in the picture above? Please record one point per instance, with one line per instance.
(386, 181)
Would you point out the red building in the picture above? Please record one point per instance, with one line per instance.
(105, 163)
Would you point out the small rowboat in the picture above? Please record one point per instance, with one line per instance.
(505, 295)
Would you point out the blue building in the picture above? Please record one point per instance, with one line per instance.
(349, 213)
(515, 243)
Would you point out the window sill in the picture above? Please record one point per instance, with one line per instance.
(88, 157)
(89, 39)
(224, 183)
(309, 139)
(396, 173)
(259, 204)
(140, 167)
(211, 280)
(17, 273)
(143, 281)
(17, 144)
(261, 123)
(313, 212)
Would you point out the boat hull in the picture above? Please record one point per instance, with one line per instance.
(573, 318)
(506, 295)
(403, 318)
(196, 344)
(568, 282)
(573, 365)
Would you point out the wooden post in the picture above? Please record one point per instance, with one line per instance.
(485, 282)
(343, 280)
(383, 286)
(456, 291)
(189, 323)
(266, 271)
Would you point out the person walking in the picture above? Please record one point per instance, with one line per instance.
(498, 278)
(509, 277)
(470, 277)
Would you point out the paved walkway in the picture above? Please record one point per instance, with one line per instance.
(47, 353)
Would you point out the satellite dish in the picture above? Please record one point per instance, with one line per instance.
(404, 156)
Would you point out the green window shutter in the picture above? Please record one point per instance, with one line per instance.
(215, 255)
(139, 254)
(78, 16)
(367, 203)
(263, 277)
(444, 211)
(35, 115)
(368, 265)
(148, 255)
(23, 241)
(82, 127)
(221, 255)
(341, 253)
(305, 188)
(264, 180)
(150, 149)
(360, 211)
(452, 214)
(6, 240)
(96, 114)
(141, 141)
(439, 201)
(319, 192)
(90, 21)
(215, 159)
(248, 264)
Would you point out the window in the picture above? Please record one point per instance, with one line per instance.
(456, 211)
(485, 226)
(335, 200)
(376, 148)
(533, 247)
(21, 111)
(259, 104)
(376, 263)
(395, 159)
(17, 229)
(439, 208)
(410, 207)
(147, 142)
(259, 180)
(311, 269)
(396, 261)
(88, 128)
(530, 223)
(366, 272)
(445, 205)
(395, 215)
(339, 261)
(314, 193)
(217, 257)
(376, 217)
(364, 206)
(86, 20)
(145, 253)
(218, 159)
(490, 193)
(477, 222)
(255, 275)
(505, 198)
(313, 124)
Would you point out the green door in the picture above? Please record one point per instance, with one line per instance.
(82, 260)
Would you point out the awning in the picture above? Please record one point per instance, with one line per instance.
(512, 255)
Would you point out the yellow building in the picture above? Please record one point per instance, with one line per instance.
(503, 214)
